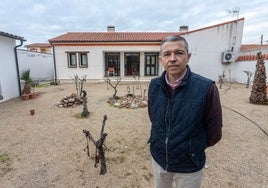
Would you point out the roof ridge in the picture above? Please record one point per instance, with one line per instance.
(123, 36)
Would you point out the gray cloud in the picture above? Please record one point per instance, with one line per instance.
(38, 21)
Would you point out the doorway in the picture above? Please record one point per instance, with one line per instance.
(132, 64)
(112, 64)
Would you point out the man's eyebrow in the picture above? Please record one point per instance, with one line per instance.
(177, 50)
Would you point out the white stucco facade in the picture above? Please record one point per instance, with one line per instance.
(207, 47)
(9, 87)
(95, 68)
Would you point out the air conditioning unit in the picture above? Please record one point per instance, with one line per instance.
(227, 57)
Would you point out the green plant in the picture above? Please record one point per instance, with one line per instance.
(5, 164)
(25, 75)
(4, 158)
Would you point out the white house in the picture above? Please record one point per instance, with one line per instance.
(9, 71)
(247, 60)
(126, 54)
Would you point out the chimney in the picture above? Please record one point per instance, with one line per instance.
(110, 28)
(184, 28)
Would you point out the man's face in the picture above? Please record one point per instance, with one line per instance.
(174, 58)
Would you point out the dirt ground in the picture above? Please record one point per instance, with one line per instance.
(46, 150)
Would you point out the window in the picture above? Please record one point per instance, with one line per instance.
(33, 49)
(43, 50)
(151, 64)
(71, 60)
(83, 60)
(77, 57)
(112, 64)
(132, 64)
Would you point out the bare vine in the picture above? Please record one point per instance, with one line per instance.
(109, 82)
(79, 83)
(100, 147)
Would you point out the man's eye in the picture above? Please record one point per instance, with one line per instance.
(179, 53)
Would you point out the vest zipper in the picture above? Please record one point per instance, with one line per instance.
(166, 142)
(167, 131)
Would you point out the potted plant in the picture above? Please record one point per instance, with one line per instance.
(32, 111)
(25, 76)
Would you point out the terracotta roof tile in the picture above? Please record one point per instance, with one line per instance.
(245, 47)
(113, 36)
(38, 45)
(251, 57)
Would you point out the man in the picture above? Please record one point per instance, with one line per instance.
(186, 116)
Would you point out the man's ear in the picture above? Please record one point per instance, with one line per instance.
(189, 55)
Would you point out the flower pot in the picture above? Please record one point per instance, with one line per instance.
(33, 95)
(32, 112)
(25, 96)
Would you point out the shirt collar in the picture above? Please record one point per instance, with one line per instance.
(177, 82)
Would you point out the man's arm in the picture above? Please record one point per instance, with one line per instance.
(213, 116)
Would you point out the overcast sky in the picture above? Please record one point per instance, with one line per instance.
(40, 20)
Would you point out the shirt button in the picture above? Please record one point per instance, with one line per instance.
(192, 154)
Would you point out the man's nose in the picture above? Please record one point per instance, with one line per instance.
(172, 57)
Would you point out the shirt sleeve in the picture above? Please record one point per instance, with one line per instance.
(213, 116)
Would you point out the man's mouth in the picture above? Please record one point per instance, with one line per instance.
(173, 66)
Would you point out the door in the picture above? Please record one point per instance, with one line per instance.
(112, 64)
(132, 64)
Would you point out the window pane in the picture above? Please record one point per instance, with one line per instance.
(147, 59)
(152, 71)
(153, 60)
(72, 59)
(147, 70)
(83, 60)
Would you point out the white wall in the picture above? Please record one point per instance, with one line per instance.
(40, 64)
(239, 67)
(95, 68)
(207, 46)
(8, 73)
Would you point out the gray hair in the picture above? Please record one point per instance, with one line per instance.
(174, 38)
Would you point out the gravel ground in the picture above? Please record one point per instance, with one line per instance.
(47, 149)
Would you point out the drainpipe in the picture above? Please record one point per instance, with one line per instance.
(17, 63)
